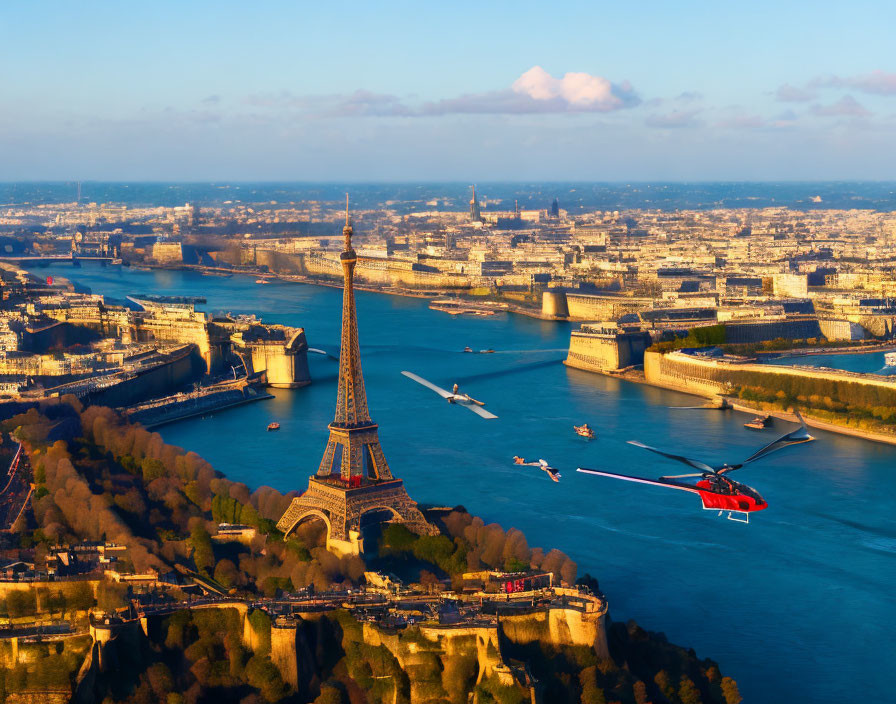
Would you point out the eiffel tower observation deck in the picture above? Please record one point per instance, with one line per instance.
(354, 477)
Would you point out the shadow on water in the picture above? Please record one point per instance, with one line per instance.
(862, 527)
(521, 369)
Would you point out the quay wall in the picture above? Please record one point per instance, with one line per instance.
(285, 365)
(58, 334)
(368, 271)
(188, 405)
(41, 589)
(708, 377)
(882, 326)
(554, 304)
(842, 329)
(604, 307)
(602, 353)
(559, 627)
(679, 375)
(182, 368)
(761, 331)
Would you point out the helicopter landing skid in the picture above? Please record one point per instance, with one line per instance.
(745, 519)
(731, 517)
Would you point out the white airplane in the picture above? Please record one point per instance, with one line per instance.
(453, 396)
(552, 472)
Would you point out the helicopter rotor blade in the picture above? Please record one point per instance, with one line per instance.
(696, 464)
(794, 437)
(686, 476)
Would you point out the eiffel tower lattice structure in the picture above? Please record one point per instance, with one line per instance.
(354, 477)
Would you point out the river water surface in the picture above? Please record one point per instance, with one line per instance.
(797, 606)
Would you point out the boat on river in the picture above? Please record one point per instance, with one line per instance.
(760, 422)
(890, 359)
(584, 430)
(273, 426)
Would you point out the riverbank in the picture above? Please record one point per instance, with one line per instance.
(637, 376)
(511, 305)
(868, 348)
(170, 409)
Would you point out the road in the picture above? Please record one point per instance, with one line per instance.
(16, 490)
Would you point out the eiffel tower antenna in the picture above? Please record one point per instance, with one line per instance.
(347, 230)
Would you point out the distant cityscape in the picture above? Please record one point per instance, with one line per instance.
(636, 278)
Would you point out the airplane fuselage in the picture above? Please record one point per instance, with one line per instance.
(464, 399)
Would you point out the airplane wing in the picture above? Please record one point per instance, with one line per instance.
(639, 480)
(478, 410)
(696, 464)
(429, 385)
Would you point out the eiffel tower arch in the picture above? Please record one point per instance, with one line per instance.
(353, 477)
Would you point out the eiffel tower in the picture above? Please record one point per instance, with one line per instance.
(354, 477)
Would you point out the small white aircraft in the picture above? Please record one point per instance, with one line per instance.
(453, 396)
(552, 472)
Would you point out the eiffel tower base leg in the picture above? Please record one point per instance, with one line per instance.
(344, 548)
(341, 508)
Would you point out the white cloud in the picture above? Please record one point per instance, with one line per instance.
(581, 90)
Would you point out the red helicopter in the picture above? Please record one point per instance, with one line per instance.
(716, 490)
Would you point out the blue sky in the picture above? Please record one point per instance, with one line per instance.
(447, 91)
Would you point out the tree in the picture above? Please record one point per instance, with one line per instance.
(396, 538)
(226, 574)
(730, 691)
(262, 674)
(261, 626)
(152, 469)
(688, 692)
(203, 553)
(435, 549)
(665, 684)
(330, 695)
(160, 680)
(639, 690)
(591, 693)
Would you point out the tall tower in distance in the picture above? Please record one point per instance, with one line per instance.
(555, 209)
(354, 477)
(475, 214)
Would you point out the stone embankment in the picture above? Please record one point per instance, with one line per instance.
(557, 617)
(712, 378)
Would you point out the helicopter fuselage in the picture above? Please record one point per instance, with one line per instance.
(723, 494)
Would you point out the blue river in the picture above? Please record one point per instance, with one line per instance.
(797, 606)
(866, 362)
